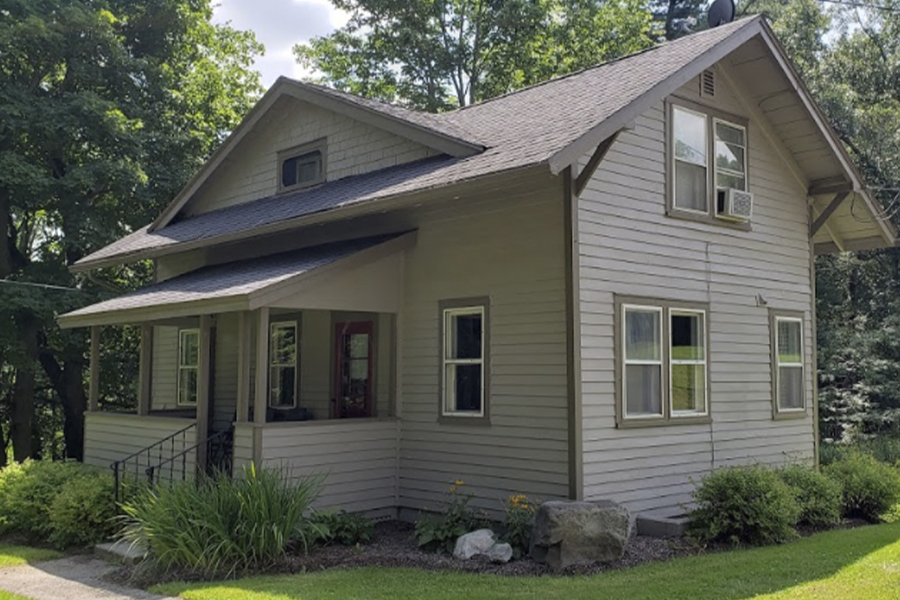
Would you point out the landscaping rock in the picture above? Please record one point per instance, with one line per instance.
(474, 543)
(500, 553)
(579, 533)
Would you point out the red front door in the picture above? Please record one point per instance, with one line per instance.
(353, 370)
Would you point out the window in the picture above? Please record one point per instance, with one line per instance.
(301, 167)
(697, 184)
(662, 348)
(188, 366)
(464, 357)
(283, 365)
(787, 364)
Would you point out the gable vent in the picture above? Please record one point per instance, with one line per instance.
(708, 84)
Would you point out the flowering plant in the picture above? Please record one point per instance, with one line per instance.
(518, 520)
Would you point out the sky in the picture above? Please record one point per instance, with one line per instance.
(279, 24)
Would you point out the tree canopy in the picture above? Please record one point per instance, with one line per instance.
(108, 107)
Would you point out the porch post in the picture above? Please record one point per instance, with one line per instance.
(146, 368)
(203, 388)
(261, 394)
(245, 331)
(94, 391)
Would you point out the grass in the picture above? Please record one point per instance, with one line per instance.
(9, 596)
(12, 556)
(857, 564)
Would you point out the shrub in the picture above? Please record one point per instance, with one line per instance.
(344, 528)
(439, 532)
(869, 488)
(33, 492)
(518, 520)
(83, 513)
(221, 525)
(818, 496)
(744, 505)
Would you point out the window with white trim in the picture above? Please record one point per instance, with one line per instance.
(283, 364)
(463, 361)
(188, 366)
(787, 344)
(708, 156)
(663, 357)
(302, 166)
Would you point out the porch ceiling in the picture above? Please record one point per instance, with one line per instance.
(299, 279)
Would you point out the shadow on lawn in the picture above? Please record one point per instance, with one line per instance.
(737, 575)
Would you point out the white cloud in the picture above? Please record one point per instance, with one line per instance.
(279, 24)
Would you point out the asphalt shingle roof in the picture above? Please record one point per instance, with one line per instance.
(520, 129)
(232, 280)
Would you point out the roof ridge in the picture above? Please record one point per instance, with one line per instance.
(742, 21)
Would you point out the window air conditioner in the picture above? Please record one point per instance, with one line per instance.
(734, 205)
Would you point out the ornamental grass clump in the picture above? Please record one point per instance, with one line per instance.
(744, 505)
(222, 525)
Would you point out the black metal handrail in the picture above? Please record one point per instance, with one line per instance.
(219, 458)
(145, 456)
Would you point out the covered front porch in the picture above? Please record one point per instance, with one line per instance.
(287, 360)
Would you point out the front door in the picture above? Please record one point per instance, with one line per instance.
(353, 370)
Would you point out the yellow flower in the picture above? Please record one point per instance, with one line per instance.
(452, 489)
(459, 482)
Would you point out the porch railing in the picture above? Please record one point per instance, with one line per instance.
(219, 459)
(145, 458)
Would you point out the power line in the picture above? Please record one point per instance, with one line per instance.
(42, 285)
(852, 4)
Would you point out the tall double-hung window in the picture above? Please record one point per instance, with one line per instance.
(788, 375)
(707, 158)
(662, 351)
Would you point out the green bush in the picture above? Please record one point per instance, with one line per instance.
(818, 496)
(32, 492)
(869, 488)
(221, 525)
(744, 505)
(884, 447)
(342, 527)
(83, 513)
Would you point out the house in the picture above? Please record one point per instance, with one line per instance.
(601, 286)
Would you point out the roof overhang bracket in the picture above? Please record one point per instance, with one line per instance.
(825, 187)
(596, 158)
(825, 214)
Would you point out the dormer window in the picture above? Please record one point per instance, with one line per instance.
(302, 166)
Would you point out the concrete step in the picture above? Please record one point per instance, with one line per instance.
(122, 552)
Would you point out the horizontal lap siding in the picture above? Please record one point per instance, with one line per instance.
(357, 458)
(353, 148)
(629, 246)
(164, 386)
(510, 248)
(109, 437)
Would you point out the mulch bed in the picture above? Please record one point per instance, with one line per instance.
(393, 545)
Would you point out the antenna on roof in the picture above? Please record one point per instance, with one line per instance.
(720, 12)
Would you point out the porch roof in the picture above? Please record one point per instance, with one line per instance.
(242, 285)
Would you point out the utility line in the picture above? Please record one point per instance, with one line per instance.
(852, 4)
(42, 285)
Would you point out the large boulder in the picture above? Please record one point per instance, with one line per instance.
(579, 533)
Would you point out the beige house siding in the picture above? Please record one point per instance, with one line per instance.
(109, 437)
(506, 245)
(164, 369)
(358, 459)
(353, 148)
(629, 246)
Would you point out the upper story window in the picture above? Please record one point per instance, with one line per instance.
(302, 166)
(708, 166)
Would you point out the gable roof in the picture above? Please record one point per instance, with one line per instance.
(553, 123)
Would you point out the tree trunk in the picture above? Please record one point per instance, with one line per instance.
(68, 383)
(21, 420)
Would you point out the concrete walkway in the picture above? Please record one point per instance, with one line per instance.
(70, 578)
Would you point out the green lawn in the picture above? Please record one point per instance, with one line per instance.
(858, 564)
(11, 556)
